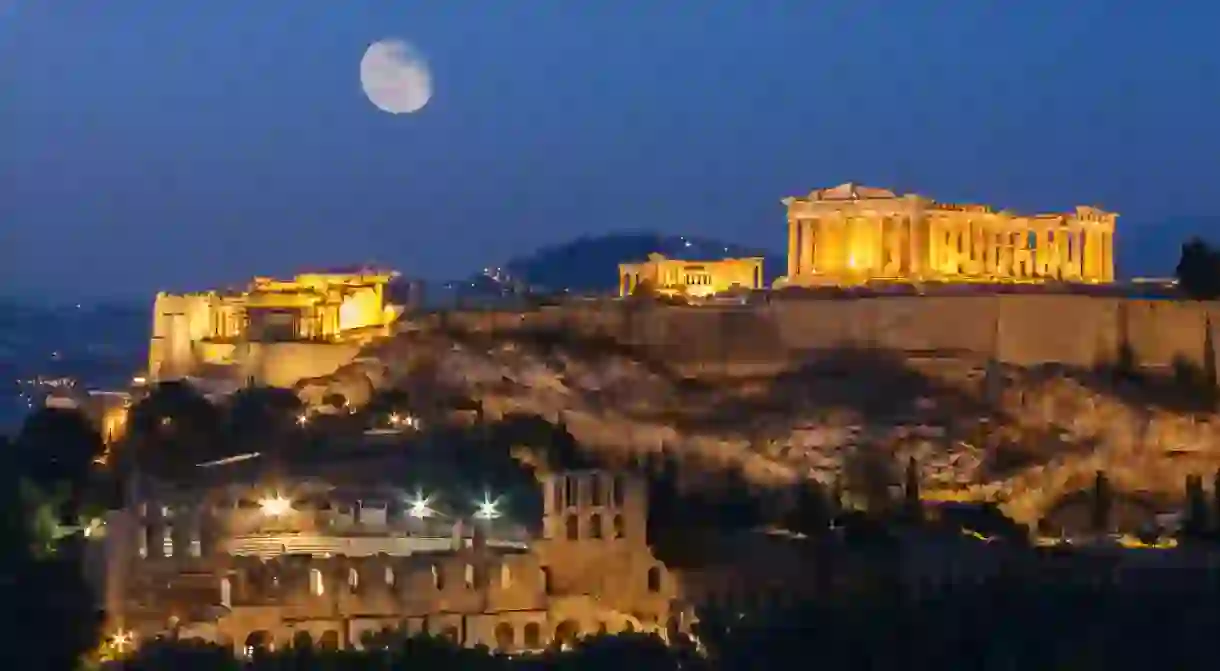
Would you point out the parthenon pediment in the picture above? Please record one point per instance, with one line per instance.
(851, 191)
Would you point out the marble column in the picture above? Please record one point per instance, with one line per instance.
(793, 249)
(1107, 251)
(810, 240)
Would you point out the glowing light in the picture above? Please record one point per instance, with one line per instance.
(421, 506)
(122, 640)
(302, 419)
(275, 506)
(410, 421)
(488, 508)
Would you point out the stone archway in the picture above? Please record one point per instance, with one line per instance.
(258, 642)
(505, 637)
(567, 633)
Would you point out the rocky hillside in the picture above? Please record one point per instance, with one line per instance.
(1027, 439)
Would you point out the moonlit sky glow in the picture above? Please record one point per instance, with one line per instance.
(148, 145)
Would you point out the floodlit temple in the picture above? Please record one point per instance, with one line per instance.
(696, 279)
(852, 234)
(214, 328)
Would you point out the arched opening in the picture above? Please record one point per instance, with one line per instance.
(547, 586)
(654, 579)
(450, 634)
(595, 526)
(569, 494)
(620, 530)
(566, 633)
(258, 642)
(533, 635)
(616, 491)
(302, 640)
(505, 636)
(573, 527)
(330, 640)
(595, 490)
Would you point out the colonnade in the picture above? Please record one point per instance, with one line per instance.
(951, 245)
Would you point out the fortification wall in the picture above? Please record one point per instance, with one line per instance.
(1021, 329)
(285, 364)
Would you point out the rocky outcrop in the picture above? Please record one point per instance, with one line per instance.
(1021, 437)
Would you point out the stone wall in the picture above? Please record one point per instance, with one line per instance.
(1022, 329)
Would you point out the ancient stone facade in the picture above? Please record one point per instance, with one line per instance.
(592, 570)
(193, 331)
(696, 279)
(852, 234)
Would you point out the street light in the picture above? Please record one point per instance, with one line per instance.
(122, 640)
(488, 508)
(275, 506)
(421, 506)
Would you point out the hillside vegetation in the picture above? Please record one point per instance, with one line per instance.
(1027, 439)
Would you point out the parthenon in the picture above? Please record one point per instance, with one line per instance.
(850, 234)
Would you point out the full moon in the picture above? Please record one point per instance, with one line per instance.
(395, 77)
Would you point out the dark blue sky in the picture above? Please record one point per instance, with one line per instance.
(185, 143)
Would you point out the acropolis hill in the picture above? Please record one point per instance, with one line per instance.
(1014, 394)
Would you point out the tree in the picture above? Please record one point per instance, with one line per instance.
(1102, 503)
(912, 505)
(1198, 270)
(870, 473)
(1195, 523)
(58, 446)
(56, 603)
(1216, 504)
(171, 430)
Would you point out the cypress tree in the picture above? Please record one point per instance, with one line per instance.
(1195, 524)
(1102, 503)
(912, 505)
(1216, 504)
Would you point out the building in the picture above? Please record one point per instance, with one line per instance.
(231, 331)
(243, 567)
(851, 234)
(697, 279)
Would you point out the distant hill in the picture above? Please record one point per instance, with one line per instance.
(590, 264)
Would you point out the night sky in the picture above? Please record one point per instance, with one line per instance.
(185, 143)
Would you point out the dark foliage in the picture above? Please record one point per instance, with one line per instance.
(1198, 270)
(57, 446)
